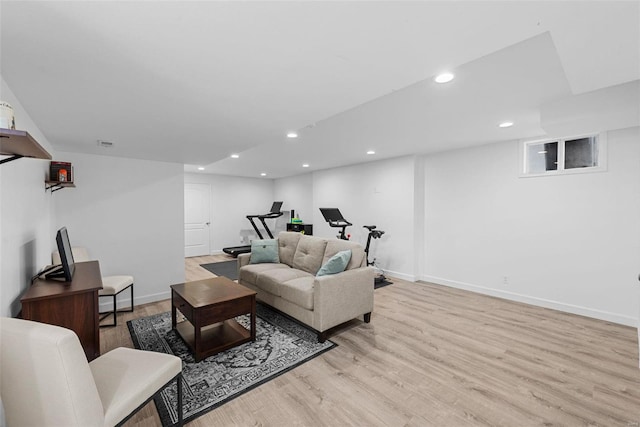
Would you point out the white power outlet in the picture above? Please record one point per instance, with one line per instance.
(505, 280)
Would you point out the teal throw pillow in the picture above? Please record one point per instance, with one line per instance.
(264, 251)
(336, 263)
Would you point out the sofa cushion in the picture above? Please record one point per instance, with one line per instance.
(288, 242)
(299, 291)
(357, 252)
(335, 264)
(309, 253)
(264, 251)
(249, 273)
(271, 280)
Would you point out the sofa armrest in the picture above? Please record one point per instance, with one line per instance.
(342, 297)
(243, 259)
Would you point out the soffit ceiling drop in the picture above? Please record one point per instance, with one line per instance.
(194, 82)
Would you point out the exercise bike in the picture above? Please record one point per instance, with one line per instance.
(374, 233)
(336, 220)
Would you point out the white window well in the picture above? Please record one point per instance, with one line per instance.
(579, 154)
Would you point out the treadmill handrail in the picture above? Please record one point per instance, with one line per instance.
(269, 215)
(262, 217)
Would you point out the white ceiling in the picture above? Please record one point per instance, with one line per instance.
(193, 82)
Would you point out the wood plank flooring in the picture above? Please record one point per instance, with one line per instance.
(437, 356)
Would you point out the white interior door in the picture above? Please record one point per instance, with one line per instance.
(197, 218)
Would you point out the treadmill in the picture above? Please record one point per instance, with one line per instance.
(335, 219)
(275, 212)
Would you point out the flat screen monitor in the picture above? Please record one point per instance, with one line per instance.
(67, 268)
(275, 207)
(332, 215)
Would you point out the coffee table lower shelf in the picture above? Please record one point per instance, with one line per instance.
(213, 338)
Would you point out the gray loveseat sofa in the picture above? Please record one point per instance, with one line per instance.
(292, 287)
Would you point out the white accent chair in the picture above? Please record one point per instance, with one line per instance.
(111, 285)
(47, 381)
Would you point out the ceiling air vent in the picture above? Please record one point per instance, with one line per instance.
(105, 144)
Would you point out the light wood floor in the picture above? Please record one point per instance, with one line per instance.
(437, 356)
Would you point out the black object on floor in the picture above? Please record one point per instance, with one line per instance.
(228, 269)
(381, 284)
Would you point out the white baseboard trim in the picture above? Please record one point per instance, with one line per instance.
(403, 276)
(153, 297)
(216, 252)
(106, 304)
(540, 302)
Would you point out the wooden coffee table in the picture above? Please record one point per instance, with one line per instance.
(210, 306)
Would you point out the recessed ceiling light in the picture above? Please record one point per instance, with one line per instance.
(200, 168)
(292, 135)
(444, 78)
(235, 156)
(306, 165)
(542, 152)
(371, 152)
(505, 124)
(263, 174)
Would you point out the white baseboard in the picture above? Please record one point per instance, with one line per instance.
(403, 276)
(124, 303)
(540, 302)
(105, 303)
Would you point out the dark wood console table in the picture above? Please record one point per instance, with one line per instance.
(73, 305)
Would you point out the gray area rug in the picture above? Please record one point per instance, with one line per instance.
(281, 344)
(228, 269)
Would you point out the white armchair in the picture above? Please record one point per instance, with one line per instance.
(111, 285)
(47, 381)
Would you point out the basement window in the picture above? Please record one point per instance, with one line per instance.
(578, 154)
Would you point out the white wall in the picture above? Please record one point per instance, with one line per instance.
(129, 214)
(232, 199)
(377, 193)
(296, 192)
(380, 193)
(25, 215)
(418, 218)
(569, 242)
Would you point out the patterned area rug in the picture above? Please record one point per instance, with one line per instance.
(281, 344)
